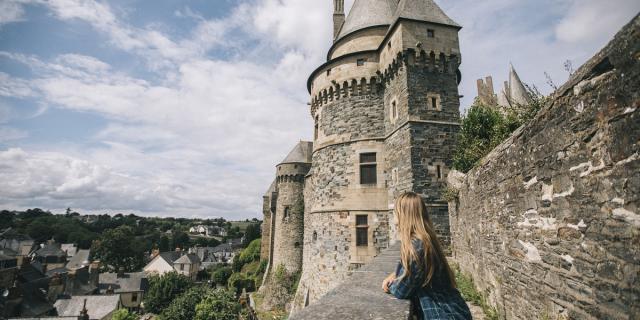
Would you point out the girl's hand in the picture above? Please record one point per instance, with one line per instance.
(387, 281)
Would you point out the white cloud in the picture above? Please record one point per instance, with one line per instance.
(594, 21)
(203, 136)
(10, 11)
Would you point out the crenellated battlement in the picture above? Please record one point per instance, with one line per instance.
(430, 62)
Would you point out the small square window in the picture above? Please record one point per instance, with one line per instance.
(431, 33)
(360, 62)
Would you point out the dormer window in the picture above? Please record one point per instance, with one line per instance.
(431, 33)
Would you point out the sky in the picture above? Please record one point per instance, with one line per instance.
(183, 107)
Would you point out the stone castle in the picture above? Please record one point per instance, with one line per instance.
(386, 113)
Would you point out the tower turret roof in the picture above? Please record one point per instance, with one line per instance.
(423, 10)
(368, 13)
(301, 153)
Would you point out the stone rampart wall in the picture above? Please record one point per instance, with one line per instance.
(549, 223)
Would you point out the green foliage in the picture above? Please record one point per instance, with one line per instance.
(468, 290)
(184, 306)
(221, 275)
(288, 280)
(485, 127)
(163, 289)
(123, 314)
(252, 232)
(239, 281)
(251, 252)
(117, 249)
(219, 305)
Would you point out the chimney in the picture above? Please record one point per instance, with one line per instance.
(84, 314)
(338, 17)
(94, 273)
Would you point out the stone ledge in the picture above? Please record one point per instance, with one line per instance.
(360, 296)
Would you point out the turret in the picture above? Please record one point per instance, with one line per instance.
(288, 218)
(338, 17)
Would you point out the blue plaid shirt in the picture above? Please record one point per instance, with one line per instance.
(439, 301)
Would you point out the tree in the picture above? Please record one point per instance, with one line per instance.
(163, 245)
(123, 314)
(221, 275)
(118, 249)
(180, 240)
(163, 289)
(239, 281)
(252, 232)
(219, 305)
(184, 306)
(485, 127)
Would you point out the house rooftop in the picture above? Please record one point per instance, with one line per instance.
(98, 307)
(128, 282)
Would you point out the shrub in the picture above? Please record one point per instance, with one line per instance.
(163, 289)
(219, 305)
(251, 252)
(238, 281)
(485, 127)
(221, 275)
(184, 306)
(123, 314)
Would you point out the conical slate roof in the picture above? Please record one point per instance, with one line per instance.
(368, 13)
(272, 189)
(518, 92)
(423, 10)
(301, 153)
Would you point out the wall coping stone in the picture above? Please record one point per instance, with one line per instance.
(360, 296)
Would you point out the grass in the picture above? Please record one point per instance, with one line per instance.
(469, 292)
(268, 315)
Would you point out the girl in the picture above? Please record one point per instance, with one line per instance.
(423, 273)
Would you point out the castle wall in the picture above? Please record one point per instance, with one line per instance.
(549, 224)
(265, 245)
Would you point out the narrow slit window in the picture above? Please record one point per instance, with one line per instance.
(368, 168)
(328, 71)
(315, 129)
(394, 110)
(439, 172)
(285, 216)
(362, 230)
(434, 103)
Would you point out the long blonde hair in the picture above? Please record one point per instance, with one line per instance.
(414, 223)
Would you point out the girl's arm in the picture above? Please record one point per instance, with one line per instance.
(406, 287)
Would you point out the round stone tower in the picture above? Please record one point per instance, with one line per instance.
(386, 111)
(288, 218)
